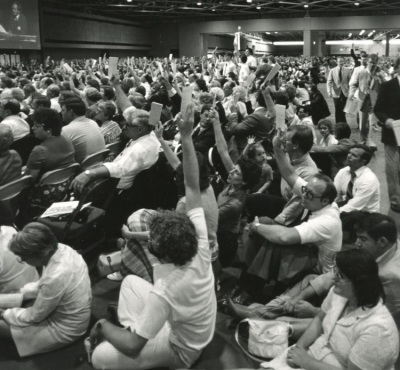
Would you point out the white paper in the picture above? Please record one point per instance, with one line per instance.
(68, 68)
(112, 66)
(155, 113)
(280, 117)
(353, 106)
(173, 67)
(160, 67)
(186, 98)
(275, 69)
(62, 208)
(396, 129)
(2, 30)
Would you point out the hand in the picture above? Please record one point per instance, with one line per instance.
(389, 123)
(115, 80)
(214, 116)
(159, 129)
(304, 309)
(253, 226)
(277, 140)
(297, 357)
(2, 312)
(125, 232)
(95, 334)
(186, 124)
(79, 182)
(251, 140)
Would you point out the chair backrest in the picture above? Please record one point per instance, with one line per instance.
(94, 159)
(115, 149)
(59, 176)
(99, 192)
(10, 198)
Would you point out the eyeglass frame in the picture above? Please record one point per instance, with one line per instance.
(308, 195)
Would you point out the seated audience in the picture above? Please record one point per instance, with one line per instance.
(326, 130)
(10, 161)
(60, 313)
(84, 133)
(55, 151)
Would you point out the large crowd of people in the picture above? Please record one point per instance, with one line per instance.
(243, 155)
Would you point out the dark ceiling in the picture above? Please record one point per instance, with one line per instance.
(188, 10)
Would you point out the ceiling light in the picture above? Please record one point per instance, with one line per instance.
(356, 4)
(276, 32)
(349, 42)
(361, 32)
(213, 10)
(249, 1)
(267, 33)
(287, 43)
(258, 7)
(371, 33)
(199, 3)
(350, 34)
(306, 5)
(129, 1)
(397, 36)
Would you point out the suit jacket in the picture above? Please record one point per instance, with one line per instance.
(256, 124)
(334, 86)
(388, 106)
(203, 140)
(18, 26)
(319, 107)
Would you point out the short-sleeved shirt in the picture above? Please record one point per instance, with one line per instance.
(10, 167)
(367, 337)
(185, 298)
(323, 230)
(85, 136)
(111, 131)
(54, 153)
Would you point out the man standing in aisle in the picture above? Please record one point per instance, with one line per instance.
(387, 109)
(338, 88)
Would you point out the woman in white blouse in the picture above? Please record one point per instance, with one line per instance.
(61, 312)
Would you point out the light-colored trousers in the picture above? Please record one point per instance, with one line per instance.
(156, 353)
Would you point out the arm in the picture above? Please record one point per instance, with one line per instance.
(380, 107)
(190, 165)
(173, 160)
(268, 100)
(139, 235)
(353, 84)
(82, 179)
(312, 333)
(122, 100)
(329, 84)
(277, 234)
(221, 143)
(285, 168)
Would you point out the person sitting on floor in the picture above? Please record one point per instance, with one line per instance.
(61, 312)
(354, 329)
(170, 323)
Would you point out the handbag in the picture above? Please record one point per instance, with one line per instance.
(267, 339)
(109, 263)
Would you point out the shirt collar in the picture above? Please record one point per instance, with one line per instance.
(295, 162)
(359, 171)
(322, 210)
(359, 313)
(387, 256)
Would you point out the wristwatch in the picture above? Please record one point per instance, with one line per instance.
(88, 173)
(256, 225)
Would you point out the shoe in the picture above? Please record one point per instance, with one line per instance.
(115, 276)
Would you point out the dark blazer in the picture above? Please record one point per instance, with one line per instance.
(256, 124)
(319, 107)
(388, 106)
(18, 27)
(204, 140)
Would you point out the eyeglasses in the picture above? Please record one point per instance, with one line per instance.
(308, 194)
(126, 125)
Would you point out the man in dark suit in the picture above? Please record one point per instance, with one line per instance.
(203, 135)
(17, 24)
(258, 124)
(387, 109)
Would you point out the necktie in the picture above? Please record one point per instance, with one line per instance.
(340, 74)
(349, 192)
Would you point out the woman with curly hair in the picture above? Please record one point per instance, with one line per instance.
(326, 129)
(169, 323)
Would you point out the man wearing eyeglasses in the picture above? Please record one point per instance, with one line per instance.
(322, 230)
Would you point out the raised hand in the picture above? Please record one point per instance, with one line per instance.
(186, 124)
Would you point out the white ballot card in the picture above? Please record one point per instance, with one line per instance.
(186, 98)
(112, 66)
(155, 113)
(275, 69)
(280, 117)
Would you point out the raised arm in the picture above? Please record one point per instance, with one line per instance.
(190, 165)
(220, 141)
(172, 158)
(285, 168)
(122, 100)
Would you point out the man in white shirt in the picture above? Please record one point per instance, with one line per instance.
(53, 92)
(167, 324)
(251, 61)
(9, 110)
(229, 66)
(357, 186)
